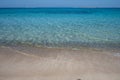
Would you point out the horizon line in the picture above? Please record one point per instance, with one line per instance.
(59, 7)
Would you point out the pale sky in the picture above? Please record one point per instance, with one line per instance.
(59, 3)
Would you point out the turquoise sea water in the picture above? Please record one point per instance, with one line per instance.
(60, 27)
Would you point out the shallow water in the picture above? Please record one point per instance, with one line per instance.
(60, 27)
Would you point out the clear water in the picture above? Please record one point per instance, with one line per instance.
(60, 27)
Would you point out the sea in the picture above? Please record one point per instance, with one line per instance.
(60, 27)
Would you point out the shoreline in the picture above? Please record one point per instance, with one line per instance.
(29, 63)
(95, 47)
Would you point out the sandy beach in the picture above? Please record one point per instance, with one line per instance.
(28, 63)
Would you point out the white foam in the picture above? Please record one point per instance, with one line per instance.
(117, 54)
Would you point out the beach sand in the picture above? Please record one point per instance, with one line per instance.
(30, 63)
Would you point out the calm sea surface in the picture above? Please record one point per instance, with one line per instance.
(60, 27)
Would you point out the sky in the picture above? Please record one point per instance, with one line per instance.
(59, 3)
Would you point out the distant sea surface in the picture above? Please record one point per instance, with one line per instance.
(60, 27)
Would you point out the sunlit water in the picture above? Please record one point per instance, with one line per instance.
(63, 27)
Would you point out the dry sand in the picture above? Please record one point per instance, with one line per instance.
(28, 63)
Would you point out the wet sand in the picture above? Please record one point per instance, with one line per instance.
(30, 63)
